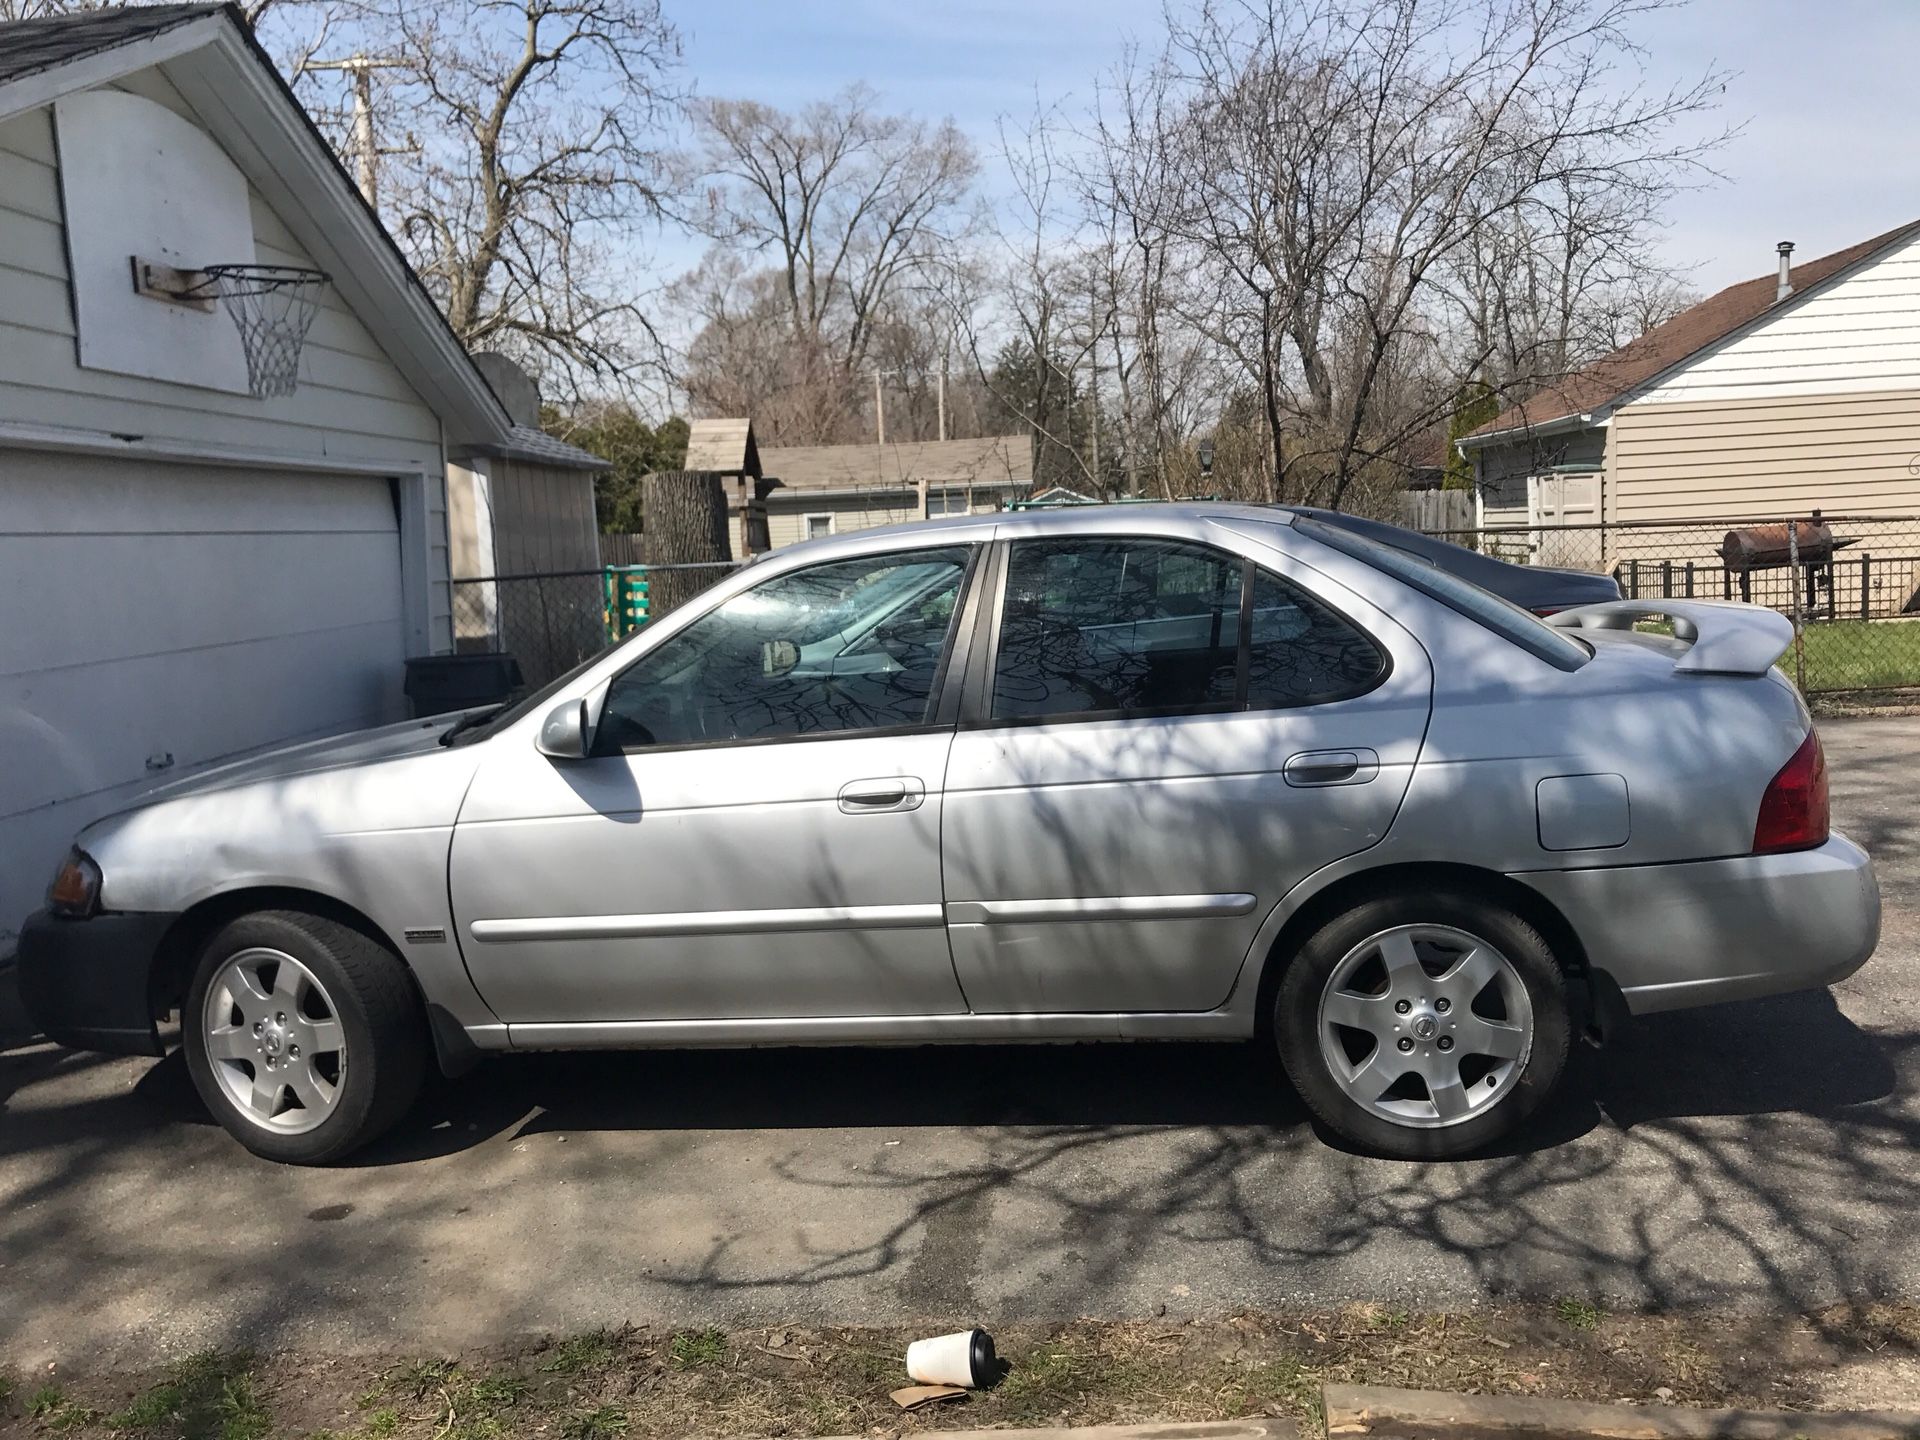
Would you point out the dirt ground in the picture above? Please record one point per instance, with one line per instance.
(790, 1381)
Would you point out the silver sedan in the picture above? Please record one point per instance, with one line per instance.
(1198, 772)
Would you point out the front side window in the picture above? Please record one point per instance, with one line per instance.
(847, 646)
(1133, 626)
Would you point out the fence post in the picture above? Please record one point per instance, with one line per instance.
(1666, 579)
(1633, 578)
(1793, 583)
(1726, 582)
(1866, 569)
(1689, 579)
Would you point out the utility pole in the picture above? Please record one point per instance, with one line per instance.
(942, 392)
(879, 413)
(366, 147)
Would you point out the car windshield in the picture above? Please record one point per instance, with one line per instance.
(1503, 617)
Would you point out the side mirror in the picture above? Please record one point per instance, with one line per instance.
(564, 734)
(567, 732)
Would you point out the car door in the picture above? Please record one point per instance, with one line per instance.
(1162, 738)
(755, 832)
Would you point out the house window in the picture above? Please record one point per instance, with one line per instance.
(947, 502)
(819, 526)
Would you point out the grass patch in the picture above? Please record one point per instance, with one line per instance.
(636, 1384)
(601, 1423)
(210, 1393)
(582, 1354)
(241, 1414)
(1576, 1314)
(696, 1349)
(1859, 654)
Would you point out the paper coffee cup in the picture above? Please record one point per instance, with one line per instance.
(962, 1358)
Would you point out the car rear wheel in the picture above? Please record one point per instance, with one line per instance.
(303, 1036)
(1424, 1025)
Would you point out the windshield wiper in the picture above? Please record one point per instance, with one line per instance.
(468, 722)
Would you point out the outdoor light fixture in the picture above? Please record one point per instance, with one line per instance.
(1206, 457)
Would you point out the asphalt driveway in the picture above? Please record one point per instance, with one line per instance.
(1762, 1154)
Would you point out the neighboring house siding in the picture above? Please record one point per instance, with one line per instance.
(1858, 334)
(351, 401)
(1732, 459)
(786, 515)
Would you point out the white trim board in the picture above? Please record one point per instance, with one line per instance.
(64, 439)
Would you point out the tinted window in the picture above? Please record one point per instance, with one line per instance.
(853, 645)
(1501, 616)
(1301, 653)
(1106, 626)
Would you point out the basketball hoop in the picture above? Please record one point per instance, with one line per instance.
(273, 307)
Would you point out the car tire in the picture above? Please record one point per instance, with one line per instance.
(303, 1035)
(1402, 1049)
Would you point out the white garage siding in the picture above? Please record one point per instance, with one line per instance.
(159, 611)
(352, 403)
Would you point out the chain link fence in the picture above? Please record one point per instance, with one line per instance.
(551, 622)
(1852, 583)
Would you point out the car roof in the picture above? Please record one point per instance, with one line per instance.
(1152, 515)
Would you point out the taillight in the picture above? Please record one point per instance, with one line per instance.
(1793, 812)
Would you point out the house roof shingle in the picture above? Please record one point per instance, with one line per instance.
(29, 46)
(536, 447)
(1673, 341)
(990, 460)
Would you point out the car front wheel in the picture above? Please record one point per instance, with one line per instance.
(303, 1035)
(1424, 1025)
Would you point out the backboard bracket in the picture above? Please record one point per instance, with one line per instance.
(157, 280)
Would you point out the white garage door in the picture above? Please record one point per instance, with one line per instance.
(157, 617)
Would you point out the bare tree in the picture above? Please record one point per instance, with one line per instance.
(827, 221)
(537, 159)
(1334, 165)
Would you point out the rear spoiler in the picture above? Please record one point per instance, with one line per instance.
(1725, 637)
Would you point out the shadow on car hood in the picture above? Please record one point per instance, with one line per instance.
(357, 747)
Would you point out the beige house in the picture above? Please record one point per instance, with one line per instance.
(1795, 391)
(816, 490)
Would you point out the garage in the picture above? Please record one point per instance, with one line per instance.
(183, 614)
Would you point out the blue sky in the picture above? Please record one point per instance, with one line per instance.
(1826, 92)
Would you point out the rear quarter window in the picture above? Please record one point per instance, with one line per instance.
(1490, 611)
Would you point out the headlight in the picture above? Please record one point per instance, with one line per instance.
(76, 888)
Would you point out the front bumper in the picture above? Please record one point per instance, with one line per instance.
(1674, 936)
(88, 983)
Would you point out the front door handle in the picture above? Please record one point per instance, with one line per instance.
(882, 796)
(1331, 767)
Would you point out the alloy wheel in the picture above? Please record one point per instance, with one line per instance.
(274, 1041)
(1425, 1025)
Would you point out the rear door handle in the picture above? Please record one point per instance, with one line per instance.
(882, 796)
(1331, 767)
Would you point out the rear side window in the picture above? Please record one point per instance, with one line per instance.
(1503, 617)
(1114, 627)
